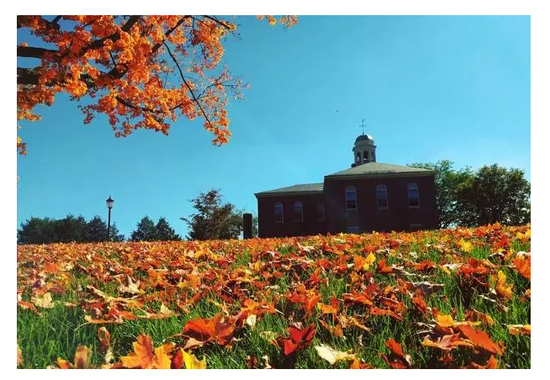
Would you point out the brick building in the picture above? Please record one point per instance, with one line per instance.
(370, 196)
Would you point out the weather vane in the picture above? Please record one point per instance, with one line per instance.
(363, 125)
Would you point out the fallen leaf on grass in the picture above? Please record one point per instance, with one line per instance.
(45, 301)
(19, 356)
(191, 361)
(251, 320)
(447, 342)
(480, 339)
(27, 305)
(333, 356)
(132, 288)
(144, 356)
(397, 359)
(204, 330)
(502, 288)
(299, 338)
(519, 329)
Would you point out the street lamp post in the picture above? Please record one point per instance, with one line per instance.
(110, 202)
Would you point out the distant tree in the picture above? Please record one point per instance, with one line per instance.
(214, 219)
(66, 230)
(447, 183)
(70, 229)
(495, 194)
(96, 231)
(145, 230)
(164, 232)
(36, 231)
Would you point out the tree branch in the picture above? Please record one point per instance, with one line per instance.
(187, 85)
(33, 52)
(27, 76)
(218, 22)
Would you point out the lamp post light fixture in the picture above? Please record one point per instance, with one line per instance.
(110, 202)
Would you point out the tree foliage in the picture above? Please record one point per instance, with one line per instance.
(164, 232)
(495, 194)
(492, 194)
(214, 219)
(140, 71)
(66, 230)
(146, 230)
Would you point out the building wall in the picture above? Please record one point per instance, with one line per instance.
(310, 226)
(368, 217)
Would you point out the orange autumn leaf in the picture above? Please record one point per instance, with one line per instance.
(519, 329)
(363, 263)
(146, 356)
(523, 266)
(203, 330)
(389, 313)
(335, 331)
(502, 288)
(424, 266)
(397, 359)
(480, 339)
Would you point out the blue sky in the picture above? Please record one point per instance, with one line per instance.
(430, 88)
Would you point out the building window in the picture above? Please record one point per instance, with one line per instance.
(320, 211)
(352, 230)
(412, 191)
(358, 158)
(298, 211)
(382, 196)
(278, 210)
(351, 198)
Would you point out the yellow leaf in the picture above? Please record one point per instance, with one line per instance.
(502, 288)
(45, 301)
(333, 356)
(162, 360)
(191, 361)
(466, 246)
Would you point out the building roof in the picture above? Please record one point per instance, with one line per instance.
(306, 188)
(378, 169)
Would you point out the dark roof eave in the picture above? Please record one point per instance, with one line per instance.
(382, 175)
(287, 193)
